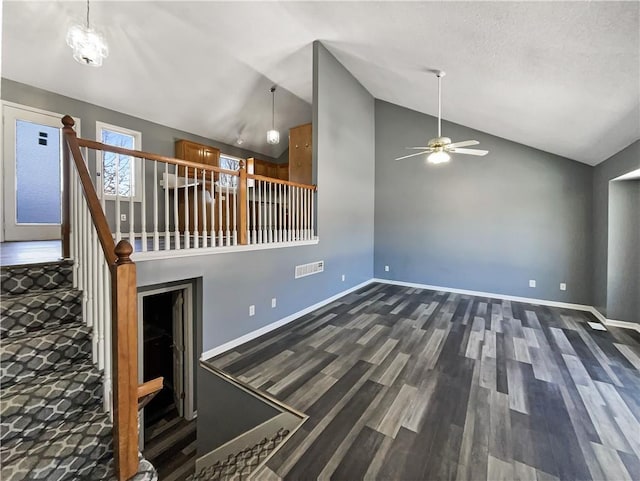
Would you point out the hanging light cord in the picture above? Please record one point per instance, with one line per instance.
(439, 105)
(87, 14)
(273, 108)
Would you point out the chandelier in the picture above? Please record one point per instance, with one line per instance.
(89, 46)
(273, 136)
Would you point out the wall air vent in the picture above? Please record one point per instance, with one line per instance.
(308, 269)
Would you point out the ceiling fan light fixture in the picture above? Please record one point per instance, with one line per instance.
(89, 46)
(273, 136)
(438, 157)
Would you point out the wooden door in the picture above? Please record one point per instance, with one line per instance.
(300, 154)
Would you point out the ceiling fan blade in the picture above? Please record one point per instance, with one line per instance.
(469, 151)
(464, 143)
(418, 148)
(413, 155)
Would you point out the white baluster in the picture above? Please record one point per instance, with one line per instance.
(143, 207)
(234, 208)
(254, 234)
(132, 234)
(176, 229)
(257, 186)
(227, 201)
(167, 233)
(195, 209)
(213, 209)
(156, 233)
(220, 226)
(106, 316)
(289, 212)
(100, 305)
(265, 236)
(117, 187)
(313, 197)
(186, 208)
(204, 208)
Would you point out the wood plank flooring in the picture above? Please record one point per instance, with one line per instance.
(409, 384)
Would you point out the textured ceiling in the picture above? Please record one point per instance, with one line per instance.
(563, 77)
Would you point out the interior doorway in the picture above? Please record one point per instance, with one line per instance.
(32, 183)
(166, 346)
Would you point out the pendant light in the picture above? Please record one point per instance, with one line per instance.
(273, 136)
(89, 46)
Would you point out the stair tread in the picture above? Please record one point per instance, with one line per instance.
(89, 424)
(64, 373)
(8, 298)
(77, 325)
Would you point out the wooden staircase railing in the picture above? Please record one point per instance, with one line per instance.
(127, 393)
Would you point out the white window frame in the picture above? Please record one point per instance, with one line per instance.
(137, 171)
(232, 157)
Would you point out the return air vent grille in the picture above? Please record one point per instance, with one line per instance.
(308, 269)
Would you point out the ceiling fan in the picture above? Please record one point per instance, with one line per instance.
(440, 147)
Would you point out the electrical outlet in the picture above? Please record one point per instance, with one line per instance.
(273, 302)
(252, 310)
(563, 286)
(343, 277)
(386, 268)
(532, 283)
(123, 217)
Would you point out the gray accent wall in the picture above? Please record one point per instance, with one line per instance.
(480, 223)
(627, 160)
(623, 266)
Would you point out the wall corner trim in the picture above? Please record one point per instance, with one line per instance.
(274, 325)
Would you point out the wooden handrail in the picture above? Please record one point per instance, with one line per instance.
(283, 182)
(95, 209)
(92, 144)
(124, 310)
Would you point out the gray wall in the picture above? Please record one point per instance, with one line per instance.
(233, 411)
(480, 223)
(344, 156)
(156, 138)
(624, 161)
(623, 267)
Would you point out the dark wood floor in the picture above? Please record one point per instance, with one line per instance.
(170, 445)
(409, 384)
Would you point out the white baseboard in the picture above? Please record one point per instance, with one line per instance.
(530, 300)
(286, 320)
(274, 325)
(623, 324)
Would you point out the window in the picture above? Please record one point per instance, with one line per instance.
(119, 174)
(229, 163)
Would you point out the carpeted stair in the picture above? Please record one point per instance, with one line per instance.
(52, 425)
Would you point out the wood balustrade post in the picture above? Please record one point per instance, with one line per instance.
(242, 200)
(125, 362)
(67, 130)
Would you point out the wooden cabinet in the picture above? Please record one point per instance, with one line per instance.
(283, 171)
(201, 154)
(300, 154)
(268, 169)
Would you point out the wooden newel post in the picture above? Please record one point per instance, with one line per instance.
(67, 130)
(242, 200)
(125, 362)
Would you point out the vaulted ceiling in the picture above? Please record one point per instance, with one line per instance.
(563, 77)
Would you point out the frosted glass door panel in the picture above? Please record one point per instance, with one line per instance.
(38, 183)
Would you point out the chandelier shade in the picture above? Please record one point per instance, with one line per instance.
(89, 46)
